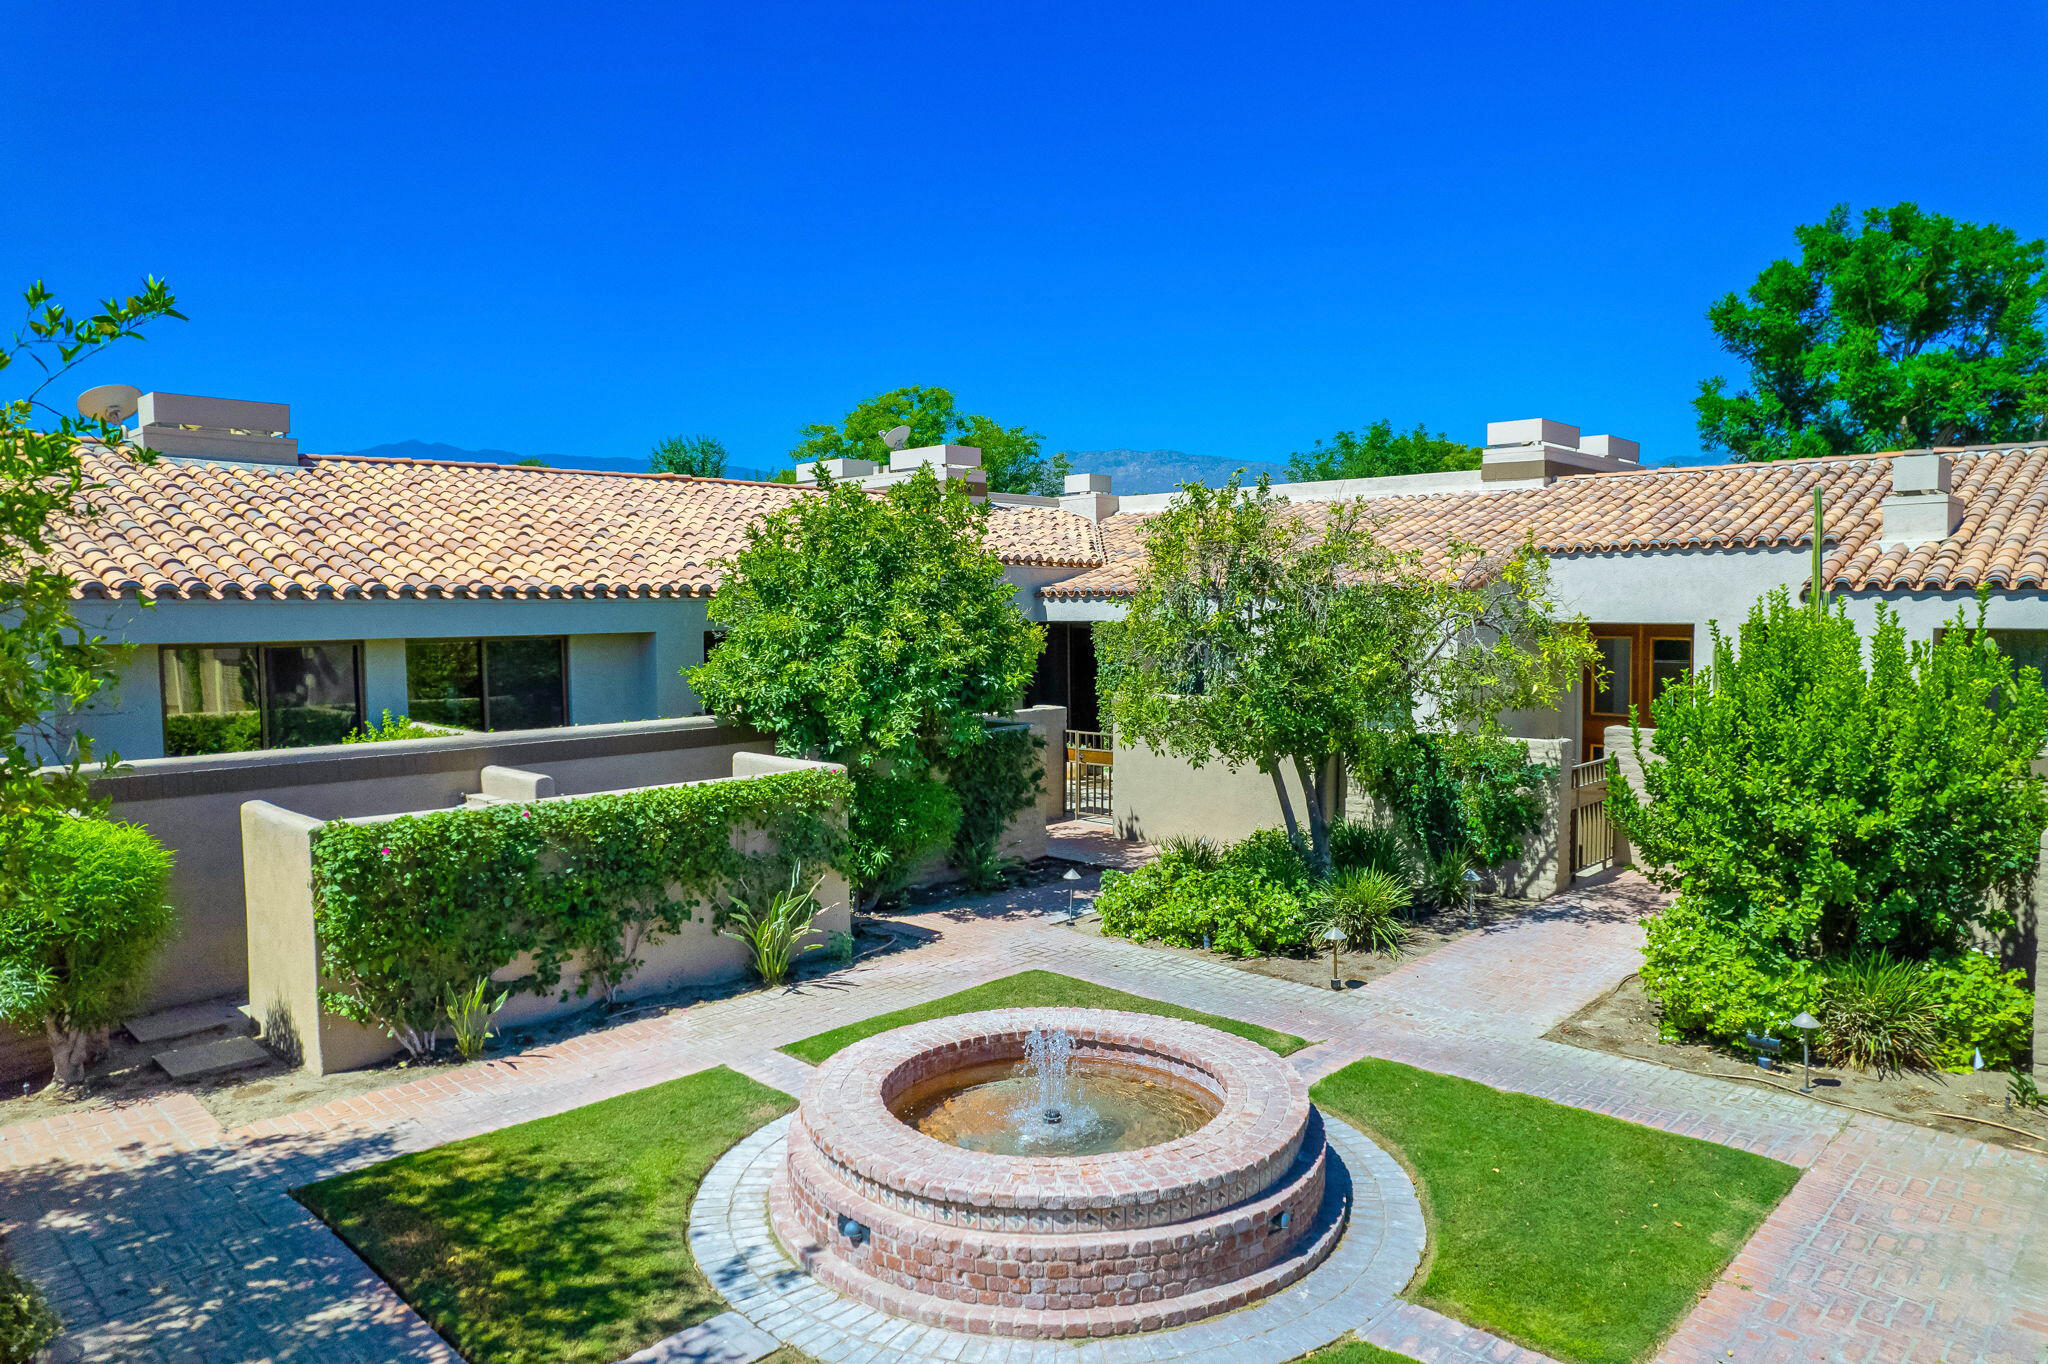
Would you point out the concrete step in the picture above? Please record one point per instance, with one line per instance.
(187, 1019)
(211, 1058)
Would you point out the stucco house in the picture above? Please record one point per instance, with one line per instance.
(282, 599)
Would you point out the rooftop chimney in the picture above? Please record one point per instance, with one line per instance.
(1088, 495)
(1922, 508)
(184, 426)
(1538, 448)
(957, 463)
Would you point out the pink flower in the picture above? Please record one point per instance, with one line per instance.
(526, 814)
(387, 852)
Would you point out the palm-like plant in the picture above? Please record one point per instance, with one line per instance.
(1880, 1012)
(1365, 905)
(771, 923)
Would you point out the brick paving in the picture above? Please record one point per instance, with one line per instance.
(162, 1237)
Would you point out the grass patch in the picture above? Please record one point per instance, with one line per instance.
(560, 1239)
(1354, 1351)
(1034, 990)
(1579, 1235)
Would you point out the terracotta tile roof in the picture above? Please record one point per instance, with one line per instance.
(342, 526)
(2002, 539)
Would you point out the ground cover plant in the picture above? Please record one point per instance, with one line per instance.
(1033, 989)
(1356, 1352)
(1820, 802)
(1576, 1234)
(561, 1239)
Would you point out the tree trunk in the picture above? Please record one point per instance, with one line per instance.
(72, 1050)
(1316, 796)
(1286, 801)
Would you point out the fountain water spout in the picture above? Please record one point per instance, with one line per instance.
(1050, 1052)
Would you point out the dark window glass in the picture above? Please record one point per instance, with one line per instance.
(212, 700)
(2026, 648)
(1670, 660)
(1610, 693)
(712, 639)
(310, 694)
(444, 682)
(523, 679)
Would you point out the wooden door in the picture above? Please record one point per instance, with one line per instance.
(1636, 662)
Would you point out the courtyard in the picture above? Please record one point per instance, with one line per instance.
(161, 1235)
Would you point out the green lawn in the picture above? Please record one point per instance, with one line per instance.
(1355, 1352)
(1576, 1234)
(1032, 989)
(561, 1239)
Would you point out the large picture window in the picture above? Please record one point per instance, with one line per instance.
(236, 697)
(488, 683)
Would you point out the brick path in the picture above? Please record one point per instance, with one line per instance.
(162, 1237)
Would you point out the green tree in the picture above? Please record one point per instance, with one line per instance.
(533, 462)
(875, 632)
(698, 456)
(1914, 330)
(1011, 455)
(1379, 451)
(1293, 641)
(78, 934)
(51, 666)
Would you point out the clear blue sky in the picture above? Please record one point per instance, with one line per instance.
(1229, 229)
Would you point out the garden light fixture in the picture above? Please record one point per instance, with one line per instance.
(1334, 936)
(1073, 897)
(1806, 1023)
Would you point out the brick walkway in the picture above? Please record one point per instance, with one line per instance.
(162, 1237)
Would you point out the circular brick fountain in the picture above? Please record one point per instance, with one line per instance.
(1057, 1245)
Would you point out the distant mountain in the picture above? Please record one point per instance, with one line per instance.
(426, 449)
(1161, 471)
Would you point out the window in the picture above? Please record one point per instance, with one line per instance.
(488, 683)
(237, 697)
(1670, 661)
(1611, 688)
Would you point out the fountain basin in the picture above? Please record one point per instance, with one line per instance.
(1056, 1245)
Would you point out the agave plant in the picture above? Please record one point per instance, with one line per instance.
(1365, 905)
(771, 923)
(1880, 1013)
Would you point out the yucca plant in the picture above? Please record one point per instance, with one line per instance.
(1365, 905)
(1191, 854)
(470, 1016)
(771, 923)
(1879, 1012)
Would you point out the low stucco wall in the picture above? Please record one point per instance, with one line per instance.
(1155, 796)
(284, 978)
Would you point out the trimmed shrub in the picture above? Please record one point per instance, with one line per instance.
(1235, 913)
(895, 823)
(1459, 792)
(77, 940)
(1983, 1008)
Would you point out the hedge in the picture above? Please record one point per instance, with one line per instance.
(408, 908)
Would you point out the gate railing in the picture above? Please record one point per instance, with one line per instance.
(1592, 830)
(1090, 761)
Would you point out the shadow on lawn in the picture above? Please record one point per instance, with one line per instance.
(202, 1254)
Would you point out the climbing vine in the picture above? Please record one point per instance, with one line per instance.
(994, 779)
(407, 908)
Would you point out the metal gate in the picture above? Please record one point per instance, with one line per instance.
(1592, 832)
(1089, 770)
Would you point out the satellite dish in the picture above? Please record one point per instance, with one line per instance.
(896, 437)
(109, 402)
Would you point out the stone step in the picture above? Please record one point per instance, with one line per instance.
(727, 1338)
(170, 1024)
(211, 1058)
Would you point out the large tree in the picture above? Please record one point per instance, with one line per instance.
(1011, 455)
(1914, 330)
(1379, 451)
(874, 631)
(1294, 641)
(51, 665)
(697, 456)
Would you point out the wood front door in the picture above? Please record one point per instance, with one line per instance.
(1636, 662)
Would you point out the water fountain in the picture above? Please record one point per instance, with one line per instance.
(1056, 1173)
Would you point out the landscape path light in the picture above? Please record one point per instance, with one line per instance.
(1334, 936)
(1073, 897)
(1806, 1023)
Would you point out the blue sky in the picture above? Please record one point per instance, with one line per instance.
(1222, 229)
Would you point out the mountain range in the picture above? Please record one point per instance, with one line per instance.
(1130, 471)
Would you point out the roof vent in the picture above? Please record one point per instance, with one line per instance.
(1538, 448)
(184, 426)
(1923, 507)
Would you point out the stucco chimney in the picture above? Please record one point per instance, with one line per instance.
(1923, 507)
(1088, 495)
(948, 463)
(185, 426)
(1539, 448)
